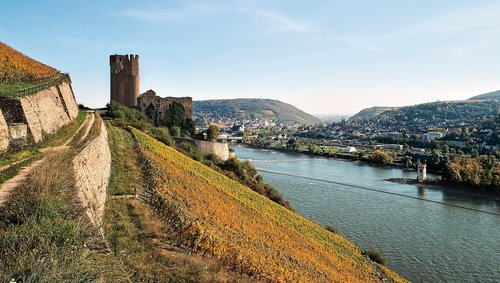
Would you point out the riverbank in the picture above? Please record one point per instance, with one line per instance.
(342, 156)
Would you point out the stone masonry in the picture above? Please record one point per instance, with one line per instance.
(161, 105)
(92, 167)
(44, 112)
(125, 79)
(4, 134)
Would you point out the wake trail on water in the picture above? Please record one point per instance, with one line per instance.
(377, 190)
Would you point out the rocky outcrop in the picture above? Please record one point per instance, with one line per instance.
(92, 167)
(4, 133)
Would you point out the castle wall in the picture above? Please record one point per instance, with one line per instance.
(4, 133)
(217, 148)
(162, 105)
(208, 147)
(92, 167)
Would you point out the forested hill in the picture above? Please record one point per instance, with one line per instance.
(370, 113)
(495, 95)
(251, 108)
(467, 110)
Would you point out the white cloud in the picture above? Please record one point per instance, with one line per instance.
(192, 12)
(283, 23)
(467, 20)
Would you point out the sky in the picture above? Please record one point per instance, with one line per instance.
(325, 57)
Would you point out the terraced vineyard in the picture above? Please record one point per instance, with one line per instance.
(218, 217)
(15, 67)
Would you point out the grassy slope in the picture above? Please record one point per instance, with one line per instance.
(46, 237)
(27, 156)
(243, 229)
(136, 235)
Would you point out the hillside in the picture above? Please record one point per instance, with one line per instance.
(370, 113)
(15, 67)
(470, 110)
(251, 108)
(215, 215)
(495, 95)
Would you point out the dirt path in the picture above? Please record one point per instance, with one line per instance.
(9, 185)
(87, 118)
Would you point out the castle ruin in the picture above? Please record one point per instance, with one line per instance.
(125, 79)
(150, 102)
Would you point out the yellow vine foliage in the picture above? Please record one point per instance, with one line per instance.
(16, 67)
(215, 215)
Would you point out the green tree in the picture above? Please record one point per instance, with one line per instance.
(175, 131)
(212, 132)
(292, 145)
(382, 156)
(189, 126)
(178, 114)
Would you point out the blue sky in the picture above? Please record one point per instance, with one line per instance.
(325, 57)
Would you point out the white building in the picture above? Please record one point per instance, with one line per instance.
(349, 149)
(431, 136)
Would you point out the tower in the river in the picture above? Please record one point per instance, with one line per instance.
(421, 171)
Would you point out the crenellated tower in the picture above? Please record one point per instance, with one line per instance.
(125, 78)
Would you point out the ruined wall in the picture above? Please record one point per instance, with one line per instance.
(208, 147)
(4, 133)
(161, 105)
(92, 167)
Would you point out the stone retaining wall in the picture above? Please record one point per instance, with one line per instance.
(4, 133)
(92, 167)
(44, 112)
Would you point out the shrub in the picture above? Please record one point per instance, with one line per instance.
(176, 131)
(162, 134)
(331, 229)
(376, 256)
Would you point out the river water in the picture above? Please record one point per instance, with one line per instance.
(423, 241)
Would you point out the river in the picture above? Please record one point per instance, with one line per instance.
(429, 241)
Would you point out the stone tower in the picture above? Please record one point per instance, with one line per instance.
(421, 171)
(125, 79)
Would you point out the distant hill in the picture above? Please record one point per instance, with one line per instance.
(370, 113)
(15, 67)
(446, 110)
(495, 95)
(251, 108)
